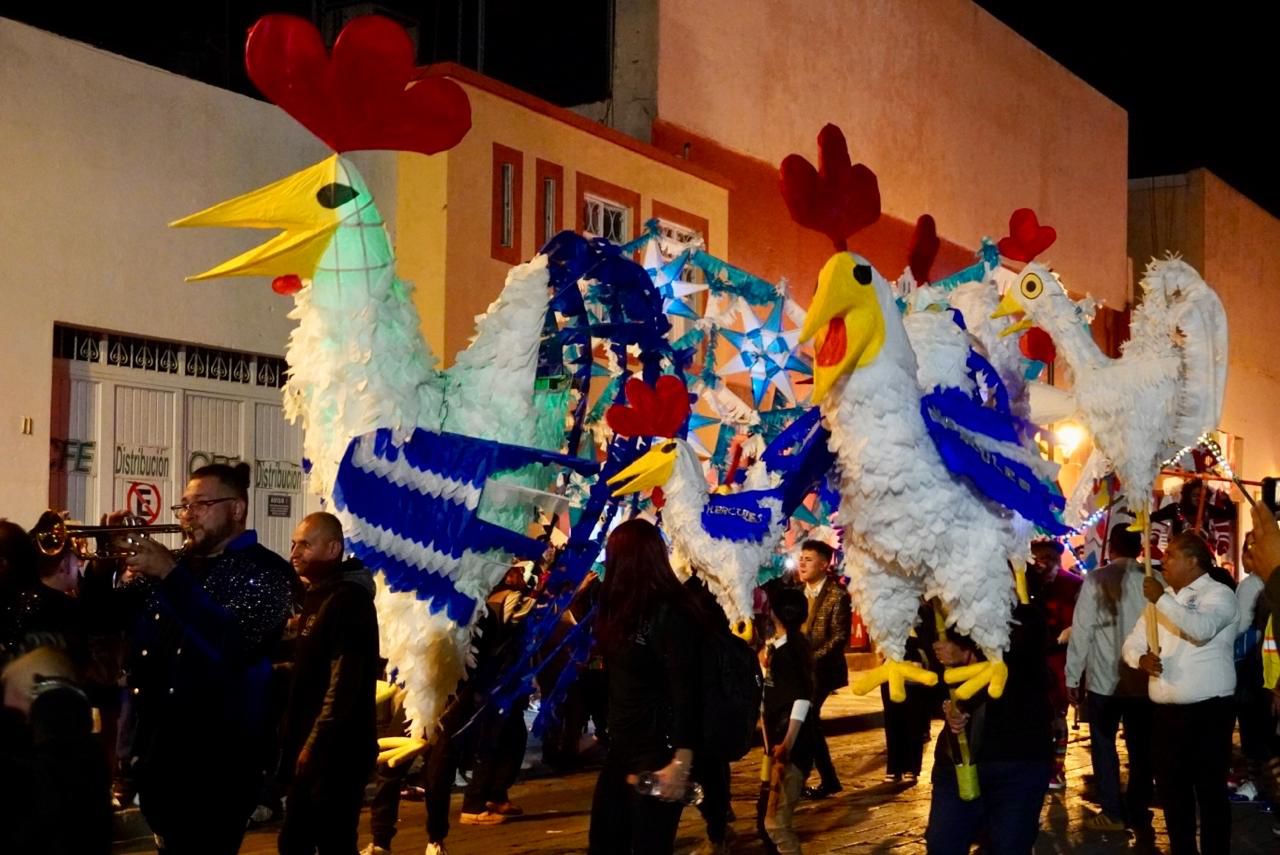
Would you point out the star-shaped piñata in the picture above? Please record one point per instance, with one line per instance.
(667, 279)
(766, 352)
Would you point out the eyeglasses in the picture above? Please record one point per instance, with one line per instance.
(201, 505)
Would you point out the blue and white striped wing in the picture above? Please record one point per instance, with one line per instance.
(410, 511)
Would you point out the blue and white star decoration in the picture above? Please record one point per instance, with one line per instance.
(667, 279)
(766, 352)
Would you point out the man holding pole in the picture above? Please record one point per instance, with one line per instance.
(1191, 681)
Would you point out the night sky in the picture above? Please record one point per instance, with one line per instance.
(1198, 80)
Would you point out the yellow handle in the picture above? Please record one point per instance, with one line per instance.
(1020, 581)
(1153, 629)
(966, 772)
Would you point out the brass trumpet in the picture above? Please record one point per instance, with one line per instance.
(113, 541)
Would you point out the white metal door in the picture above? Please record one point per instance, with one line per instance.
(278, 482)
(212, 428)
(144, 478)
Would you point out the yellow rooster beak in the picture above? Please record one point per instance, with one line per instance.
(1009, 306)
(652, 470)
(296, 204)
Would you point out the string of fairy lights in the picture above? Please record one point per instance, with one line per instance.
(1205, 441)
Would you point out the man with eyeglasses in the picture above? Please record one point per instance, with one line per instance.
(198, 669)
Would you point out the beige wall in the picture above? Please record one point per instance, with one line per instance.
(100, 153)
(472, 277)
(957, 114)
(1236, 246)
(1242, 262)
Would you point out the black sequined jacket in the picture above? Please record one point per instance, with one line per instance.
(198, 668)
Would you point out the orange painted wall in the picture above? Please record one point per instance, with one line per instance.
(958, 115)
(469, 276)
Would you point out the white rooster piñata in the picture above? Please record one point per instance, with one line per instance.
(1162, 394)
(911, 529)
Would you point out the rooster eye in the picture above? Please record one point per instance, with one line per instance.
(1032, 287)
(335, 195)
(668, 447)
(862, 274)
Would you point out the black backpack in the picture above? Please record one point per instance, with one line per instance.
(732, 686)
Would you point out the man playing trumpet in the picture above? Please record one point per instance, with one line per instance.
(198, 668)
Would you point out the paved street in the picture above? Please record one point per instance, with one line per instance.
(869, 817)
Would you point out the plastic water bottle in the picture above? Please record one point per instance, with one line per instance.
(647, 785)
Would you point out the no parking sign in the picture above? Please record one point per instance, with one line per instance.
(142, 499)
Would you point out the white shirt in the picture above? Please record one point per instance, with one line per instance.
(1100, 626)
(1247, 593)
(812, 589)
(1197, 634)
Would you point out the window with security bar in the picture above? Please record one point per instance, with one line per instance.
(602, 218)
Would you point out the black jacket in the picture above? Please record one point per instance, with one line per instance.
(39, 616)
(655, 692)
(331, 704)
(197, 670)
(1018, 725)
(787, 679)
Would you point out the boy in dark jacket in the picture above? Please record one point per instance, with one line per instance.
(330, 738)
(789, 730)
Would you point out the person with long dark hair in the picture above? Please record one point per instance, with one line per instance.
(648, 628)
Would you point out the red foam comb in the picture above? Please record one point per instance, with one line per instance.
(657, 410)
(924, 248)
(1027, 238)
(359, 98)
(838, 198)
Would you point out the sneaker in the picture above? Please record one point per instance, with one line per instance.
(892, 779)
(504, 808)
(263, 813)
(1246, 791)
(485, 817)
(910, 778)
(821, 791)
(374, 849)
(436, 849)
(1058, 782)
(1102, 822)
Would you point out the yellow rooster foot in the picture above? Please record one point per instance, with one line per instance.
(383, 692)
(1140, 523)
(896, 674)
(989, 675)
(394, 750)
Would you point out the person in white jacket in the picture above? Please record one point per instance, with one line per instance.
(1110, 604)
(1192, 680)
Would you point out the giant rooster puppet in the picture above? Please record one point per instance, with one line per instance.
(913, 526)
(1163, 393)
(1160, 397)
(406, 453)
